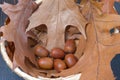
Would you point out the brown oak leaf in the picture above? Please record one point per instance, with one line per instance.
(57, 15)
(14, 31)
(108, 6)
(101, 47)
(96, 47)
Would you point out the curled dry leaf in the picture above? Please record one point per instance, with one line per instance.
(55, 15)
(88, 7)
(96, 47)
(108, 6)
(101, 47)
(14, 30)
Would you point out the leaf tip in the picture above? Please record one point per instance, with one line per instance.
(38, 1)
(4, 5)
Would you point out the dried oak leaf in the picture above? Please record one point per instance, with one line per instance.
(101, 47)
(87, 7)
(108, 6)
(57, 20)
(57, 15)
(14, 31)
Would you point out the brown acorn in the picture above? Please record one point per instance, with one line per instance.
(57, 53)
(59, 65)
(70, 60)
(70, 46)
(45, 63)
(40, 51)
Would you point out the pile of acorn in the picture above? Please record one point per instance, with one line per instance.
(57, 58)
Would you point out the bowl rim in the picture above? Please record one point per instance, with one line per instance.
(26, 76)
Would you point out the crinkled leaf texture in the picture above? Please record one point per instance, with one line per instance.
(101, 47)
(14, 31)
(55, 14)
(96, 47)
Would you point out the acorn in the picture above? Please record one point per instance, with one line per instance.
(70, 60)
(59, 65)
(45, 63)
(70, 46)
(40, 51)
(57, 53)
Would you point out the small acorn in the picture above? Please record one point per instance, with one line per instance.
(70, 60)
(45, 63)
(59, 65)
(40, 51)
(70, 46)
(57, 53)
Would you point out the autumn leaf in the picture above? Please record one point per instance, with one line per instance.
(101, 47)
(90, 7)
(52, 23)
(57, 15)
(108, 6)
(57, 20)
(14, 31)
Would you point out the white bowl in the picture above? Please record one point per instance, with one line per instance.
(29, 77)
(25, 75)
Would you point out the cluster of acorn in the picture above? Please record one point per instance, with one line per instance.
(58, 59)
